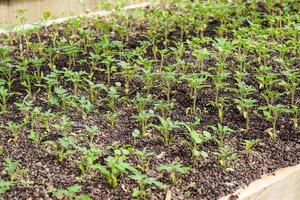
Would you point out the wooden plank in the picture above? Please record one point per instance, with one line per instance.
(3, 11)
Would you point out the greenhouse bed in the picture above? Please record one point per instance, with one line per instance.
(191, 100)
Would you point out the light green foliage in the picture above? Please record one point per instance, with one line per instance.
(249, 144)
(69, 193)
(165, 127)
(144, 181)
(221, 132)
(196, 140)
(15, 129)
(226, 155)
(62, 147)
(114, 167)
(174, 169)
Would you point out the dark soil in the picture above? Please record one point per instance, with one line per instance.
(206, 180)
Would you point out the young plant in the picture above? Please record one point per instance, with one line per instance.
(128, 71)
(165, 127)
(63, 96)
(110, 68)
(113, 96)
(272, 113)
(114, 167)
(196, 140)
(148, 77)
(245, 106)
(291, 83)
(220, 83)
(144, 157)
(51, 79)
(164, 108)
(144, 181)
(70, 193)
(249, 144)
(62, 147)
(141, 102)
(225, 155)
(91, 131)
(4, 96)
(196, 82)
(88, 156)
(85, 106)
(169, 78)
(64, 125)
(94, 89)
(15, 129)
(36, 137)
(201, 54)
(221, 132)
(5, 186)
(112, 117)
(25, 107)
(143, 117)
(221, 106)
(174, 169)
(75, 78)
(14, 170)
(224, 48)
(295, 110)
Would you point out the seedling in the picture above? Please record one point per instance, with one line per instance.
(221, 106)
(94, 89)
(141, 102)
(111, 118)
(245, 106)
(5, 186)
(220, 83)
(295, 110)
(291, 84)
(196, 82)
(15, 129)
(143, 117)
(164, 108)
(13, 169)
(64, 97)
(51, 80)
(113, 96)
(165, 127)
(62, 147)
(272, 113)
(25, 108)
(110, 68)
(91, 132)
(144, 180)
(222, 132)
(196, 140)
(75, 78)
(224, 48)
(114, 167)
(36, 137)
(225, 155)
(201, 55)
(174, 169)
(85, 106)
(128, 71)
(4, 96)
(169, 78)
(88, 157)
(144, 157)
(64, 125)
(249, 145)
(69, 193)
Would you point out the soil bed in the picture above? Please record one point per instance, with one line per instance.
(206, 179)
